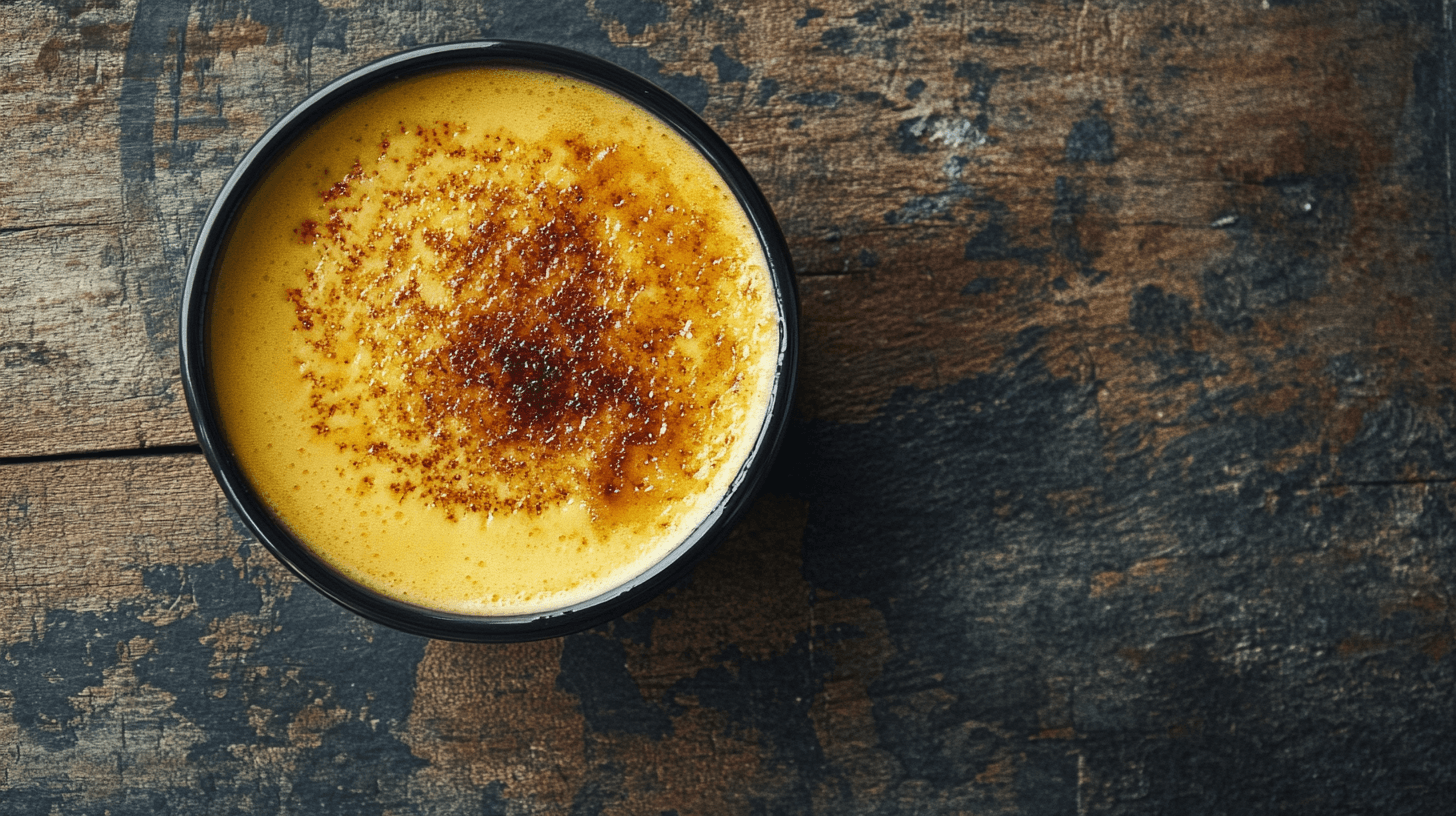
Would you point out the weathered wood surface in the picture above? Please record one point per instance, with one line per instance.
(1122, 480)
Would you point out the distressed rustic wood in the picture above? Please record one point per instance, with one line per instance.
(158, 624)
(81, 535)
(76, 369)
(1122, 480)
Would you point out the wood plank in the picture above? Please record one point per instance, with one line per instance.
(150, 649)
(895, 179)
(82, 368)
(82, 536)
(58, 91)
(1122, 479)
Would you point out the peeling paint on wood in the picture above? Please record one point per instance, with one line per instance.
(1123, 478)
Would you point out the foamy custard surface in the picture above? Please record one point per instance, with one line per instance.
(492, 341)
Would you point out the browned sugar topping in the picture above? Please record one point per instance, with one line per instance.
(507, 326)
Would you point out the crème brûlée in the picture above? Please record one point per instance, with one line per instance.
(492, 341)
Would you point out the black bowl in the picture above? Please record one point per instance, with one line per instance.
(197, 382)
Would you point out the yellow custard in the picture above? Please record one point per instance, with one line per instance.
(492, 341)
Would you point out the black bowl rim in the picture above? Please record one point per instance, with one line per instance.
(282, 543)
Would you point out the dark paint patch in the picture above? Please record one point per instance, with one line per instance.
(993, 243)
(937, 9)
(1091, 140)
(42, 676)
(868, 259)
(766, 90)
(134, 802)
(1423, 12)
(594, 668)
(1183, 366)
(325, 659)
(871, 16)
(604, 785)
(729, 69)
(972, 447)
(1433, 76)
(158, 288)
(1069, 204)
(983, 123)
(809, 14)
(1425, 438)
(981, 286)
(768, 701)
(493, 796)
(982, 36)
(838, 39)
(1311, 206)
(934, 207)
(1221, 754)
(1238, 290)
(1046, 780)
(17, 515)
(636, 627)
(1144, 112)
(914, 89)
(817, 99)
(1155, 313)
(948, 511)
(21, 353)
(982, 78)
(634, 15)
(910, 134)
(1288, 233)
(1344, 370)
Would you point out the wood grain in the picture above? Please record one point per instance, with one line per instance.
(1122, 481)
(155, 649)
(78, 373)
(80, 536)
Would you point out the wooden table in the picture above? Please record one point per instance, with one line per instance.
(1122, 479)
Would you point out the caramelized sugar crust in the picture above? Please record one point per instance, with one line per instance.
(565, 322)
(559, 327)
